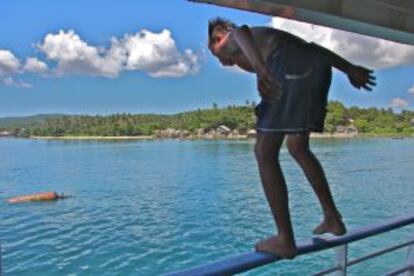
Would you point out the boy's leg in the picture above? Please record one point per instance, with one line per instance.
(267, 154)
(298, 145)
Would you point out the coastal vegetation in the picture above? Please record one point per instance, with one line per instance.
(240, 119)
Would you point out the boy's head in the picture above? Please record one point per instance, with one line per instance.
(217, 29)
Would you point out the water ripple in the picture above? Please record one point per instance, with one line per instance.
(147, 208)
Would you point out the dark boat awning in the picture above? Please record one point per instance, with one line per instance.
(387, 19)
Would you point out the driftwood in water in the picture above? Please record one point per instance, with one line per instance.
(45, 196)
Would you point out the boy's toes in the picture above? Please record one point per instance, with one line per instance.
(275, 245)
(320, 229)
(335, 227)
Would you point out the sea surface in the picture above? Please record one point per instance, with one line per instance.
(157, 206)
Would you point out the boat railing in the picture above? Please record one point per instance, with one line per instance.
(247, 261)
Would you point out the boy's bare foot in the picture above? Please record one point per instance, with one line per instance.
(278, 246)
(332, 225)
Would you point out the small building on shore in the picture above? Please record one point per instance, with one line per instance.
(5, 133)
(346, 129)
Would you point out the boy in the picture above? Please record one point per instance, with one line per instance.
(293, 79)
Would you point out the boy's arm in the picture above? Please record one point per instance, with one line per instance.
(359, 77)
(244, 39)
(266, 84)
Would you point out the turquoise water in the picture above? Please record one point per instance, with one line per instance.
(151, 207)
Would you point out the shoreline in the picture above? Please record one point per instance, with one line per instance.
(141, 137)
(238, 137)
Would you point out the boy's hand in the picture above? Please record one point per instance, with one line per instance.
(361, 77)
(267, 86)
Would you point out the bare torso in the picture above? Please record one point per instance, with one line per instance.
(266, 39)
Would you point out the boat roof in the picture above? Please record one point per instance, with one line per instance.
(387, 19)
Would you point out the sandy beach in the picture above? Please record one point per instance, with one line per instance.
(218, 137)
(143, 137)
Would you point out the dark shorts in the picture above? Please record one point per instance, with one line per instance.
(305, 76)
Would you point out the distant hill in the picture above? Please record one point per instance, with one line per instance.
(241, 118)
(26, 121)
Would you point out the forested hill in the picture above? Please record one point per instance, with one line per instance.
(240, 118)
(27, 121)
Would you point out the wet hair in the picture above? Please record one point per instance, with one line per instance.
(220, 24)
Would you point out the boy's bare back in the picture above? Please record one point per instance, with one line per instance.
(267, 40)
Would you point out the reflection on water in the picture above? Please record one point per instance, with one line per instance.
(150, 207)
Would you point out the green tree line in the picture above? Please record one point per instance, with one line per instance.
(366, 120)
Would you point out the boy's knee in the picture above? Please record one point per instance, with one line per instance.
(267, 146)
(297, 149)
(265, 151)
(259, 149)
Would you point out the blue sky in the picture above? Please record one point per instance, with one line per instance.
(180, 75)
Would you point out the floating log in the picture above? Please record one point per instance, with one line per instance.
(45, 196)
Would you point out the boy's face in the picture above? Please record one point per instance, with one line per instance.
(217, 41)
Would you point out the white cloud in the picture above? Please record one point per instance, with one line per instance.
(154, 53)
(363, 50)
(399, 103)
(234, 69)
(75, 56)
(33, 65)
(411, 90)
(9, 81)
(157, 54)
(9, 64)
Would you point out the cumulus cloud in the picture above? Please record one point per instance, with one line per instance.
(399, 103)
(9, 81)
(75, 56)
(411, 90)
(9, 64)
(33, 65)
(154, 53)
(234, 69)
(367, 51)
(67, 53)
(157, 54)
